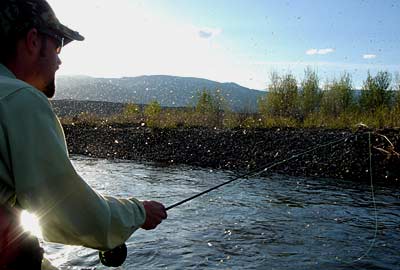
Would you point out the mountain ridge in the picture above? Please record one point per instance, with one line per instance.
(169, 91)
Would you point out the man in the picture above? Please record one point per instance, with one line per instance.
(35, 171)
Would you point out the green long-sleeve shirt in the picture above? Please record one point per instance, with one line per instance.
(36, 171)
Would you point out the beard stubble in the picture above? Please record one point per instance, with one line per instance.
(50, 89)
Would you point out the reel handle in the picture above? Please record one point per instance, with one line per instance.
(114, 257)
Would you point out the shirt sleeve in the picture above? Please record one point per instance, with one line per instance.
(46, 183)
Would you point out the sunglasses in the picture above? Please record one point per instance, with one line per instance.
(57, 38)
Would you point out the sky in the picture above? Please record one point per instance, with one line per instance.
(241, 41)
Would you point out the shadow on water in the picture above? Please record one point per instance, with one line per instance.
(274, 222)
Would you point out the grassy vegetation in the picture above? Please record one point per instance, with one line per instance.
(289, 103)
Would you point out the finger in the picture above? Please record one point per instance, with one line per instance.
(163, 215)
(161, 206)
(155, 224)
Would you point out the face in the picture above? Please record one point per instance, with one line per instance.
(47, 64)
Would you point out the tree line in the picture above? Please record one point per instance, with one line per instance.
(336, 104)
(288, 103)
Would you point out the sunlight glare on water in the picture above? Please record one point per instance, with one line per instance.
(274, 222)
(30, 223)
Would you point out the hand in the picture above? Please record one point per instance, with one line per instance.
(155, 213)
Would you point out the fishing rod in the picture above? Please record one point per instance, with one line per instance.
(254, 172)
(116, 257)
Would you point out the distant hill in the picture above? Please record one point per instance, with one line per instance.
(169, 91)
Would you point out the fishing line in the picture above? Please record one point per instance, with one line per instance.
(262, 169)
(117, 256)
(374, 204)
(259, 170)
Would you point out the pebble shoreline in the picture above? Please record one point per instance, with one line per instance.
(242, 150)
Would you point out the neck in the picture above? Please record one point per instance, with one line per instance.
(24, 72)
(18, 71)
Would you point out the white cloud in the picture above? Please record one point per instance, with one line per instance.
(326, 51)
(312, 51)
(369, 56)
(319, 51)
(209, 32)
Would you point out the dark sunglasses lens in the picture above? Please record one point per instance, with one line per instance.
(58, 39)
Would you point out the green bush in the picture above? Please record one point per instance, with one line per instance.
(279, 121)
(338, 97)
(209, 110)
(310, 96)
(282, 98)
(152, 114)
(375, 92)
(396, 89)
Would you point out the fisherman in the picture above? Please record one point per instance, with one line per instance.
(36, 174)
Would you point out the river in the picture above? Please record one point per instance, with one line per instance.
(270, 222)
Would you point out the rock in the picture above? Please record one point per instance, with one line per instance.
(244, 150)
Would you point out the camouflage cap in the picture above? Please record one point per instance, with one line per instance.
(17, 16)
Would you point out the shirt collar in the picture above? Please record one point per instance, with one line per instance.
(4, 71)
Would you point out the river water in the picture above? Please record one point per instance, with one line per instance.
(272, 222)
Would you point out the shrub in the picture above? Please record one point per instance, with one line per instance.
(282, 98)
(152, 114)
(310, 96)
(375, 94)
(338, 96)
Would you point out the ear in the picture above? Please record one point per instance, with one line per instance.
(33, 42)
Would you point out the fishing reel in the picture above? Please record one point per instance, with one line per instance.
(114, 257)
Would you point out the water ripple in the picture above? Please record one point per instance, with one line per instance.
(274, 222)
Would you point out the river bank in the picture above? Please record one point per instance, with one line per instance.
(246, 149)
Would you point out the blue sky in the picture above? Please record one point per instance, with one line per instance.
(232, 41)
